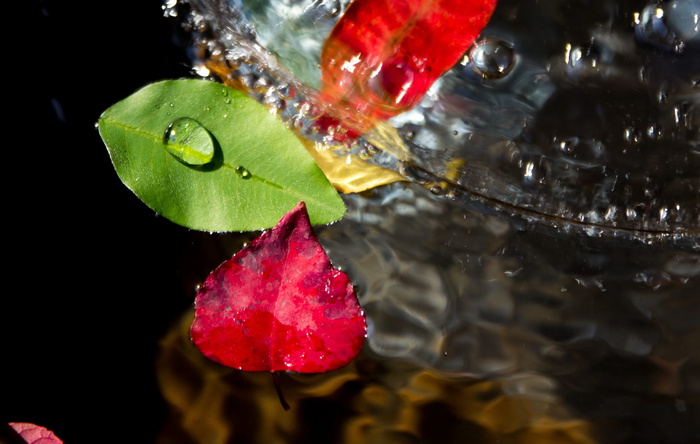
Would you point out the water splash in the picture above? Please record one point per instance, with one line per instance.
(593, 80)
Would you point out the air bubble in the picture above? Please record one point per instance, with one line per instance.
(669, 25)
(189, 141)
(310, 111)
(586, 60)
(634, 212)
(332, 7)
(632, 135)
(437, 190)
(492, 59)
(537, 173)
(582, 152)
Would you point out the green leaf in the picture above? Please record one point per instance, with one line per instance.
(231, 165)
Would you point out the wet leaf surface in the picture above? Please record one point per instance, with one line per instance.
(279, 305)
(210, 158)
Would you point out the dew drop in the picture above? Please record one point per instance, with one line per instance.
(243, 172)
(492, 59)
(189, 141)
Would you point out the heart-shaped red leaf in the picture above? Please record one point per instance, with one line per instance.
(279, 304)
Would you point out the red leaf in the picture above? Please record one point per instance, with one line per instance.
(383, 55)
(34, 434)
(279, 304)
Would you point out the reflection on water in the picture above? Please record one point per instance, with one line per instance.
(536, 280)
(481, 324)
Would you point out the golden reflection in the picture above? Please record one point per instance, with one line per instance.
(369, 401)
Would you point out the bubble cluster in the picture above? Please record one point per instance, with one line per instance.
(567, 118)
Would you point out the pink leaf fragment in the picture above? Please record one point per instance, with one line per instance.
(279, 305)
(35, 434)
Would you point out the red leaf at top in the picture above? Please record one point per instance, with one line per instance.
(383, 55)
(279, 304)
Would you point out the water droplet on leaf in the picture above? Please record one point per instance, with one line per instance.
(189, 141)
(243, 172)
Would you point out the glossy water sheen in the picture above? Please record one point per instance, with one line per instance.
(538, 278)
(587, 120)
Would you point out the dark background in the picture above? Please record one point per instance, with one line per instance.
(93, 278)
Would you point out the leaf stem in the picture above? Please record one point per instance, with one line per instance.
(276, 379)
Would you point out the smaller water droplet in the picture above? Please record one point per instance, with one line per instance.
(285, 92)
(537, 172)
(567, 146)
(437, 190)
(310, 111)
(653, 132)
(332, 7)
(632, 135)
(586, 60)
(634, 212)
(243, 172)
(492, 59)
(274, 102)
(189, 141)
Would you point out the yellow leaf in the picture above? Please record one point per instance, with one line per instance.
(347, 173)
